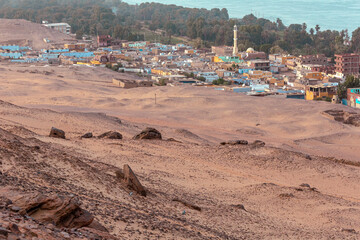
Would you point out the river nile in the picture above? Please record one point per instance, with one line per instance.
(329, 14)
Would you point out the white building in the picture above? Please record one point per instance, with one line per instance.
(61, 27)
(209, 76)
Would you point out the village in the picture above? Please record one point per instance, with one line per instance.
(310, 77)
(107, 133)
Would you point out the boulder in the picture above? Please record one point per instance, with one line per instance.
(131, 180)
(258, 143)
(238, 142)
(87, 135)
(148, 133)
(111, 135)
(62, 211)
(57, 133)
(235, 142)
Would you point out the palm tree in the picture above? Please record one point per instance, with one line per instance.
(312, 31)
(303, 27)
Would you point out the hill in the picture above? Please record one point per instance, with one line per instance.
(302, 184)
(229, 192)
(25, 33)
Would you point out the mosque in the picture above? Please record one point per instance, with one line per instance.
(235, 48)
(232, 54)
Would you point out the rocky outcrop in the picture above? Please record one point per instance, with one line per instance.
(111, 135)
(148, 133)
(62, 211)
(351, 118)
(30, 215)
(57, 133)
(130, 180)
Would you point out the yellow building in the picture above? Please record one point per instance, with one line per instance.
(161, 72)
(285, 58)
(319, 91)
(276, 82)
(95, 62)
(216, 59)
(258, 74)
(314, 75)
(78, 47)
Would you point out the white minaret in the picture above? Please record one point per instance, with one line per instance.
(235, 49)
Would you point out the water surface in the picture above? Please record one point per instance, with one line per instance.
(329, 14)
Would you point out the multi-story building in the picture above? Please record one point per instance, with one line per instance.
(327, 69)
(312, 59)
(222, 50)
(347, 64)
(104, 40)
(61, 27)
(263, 65)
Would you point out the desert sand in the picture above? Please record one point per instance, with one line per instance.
(244, 191)
(25, 33)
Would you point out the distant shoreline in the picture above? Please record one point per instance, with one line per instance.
(310, 12)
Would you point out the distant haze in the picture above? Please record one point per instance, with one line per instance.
(329, 14)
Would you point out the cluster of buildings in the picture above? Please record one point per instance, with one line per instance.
(311, 77)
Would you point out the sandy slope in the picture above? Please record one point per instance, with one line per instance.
(212, 115)
(25, 33)
(197, 169)
(216, 178)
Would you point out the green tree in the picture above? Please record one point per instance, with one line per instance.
(355, 40)
(303, 27)
(265, 48)
(162, 81)
(350, 82)
(79, 34)
(312, 31)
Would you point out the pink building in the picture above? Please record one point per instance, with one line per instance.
(104, 40)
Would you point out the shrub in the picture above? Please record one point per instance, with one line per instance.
(162, 81)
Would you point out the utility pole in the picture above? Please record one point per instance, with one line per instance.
(155, 98)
